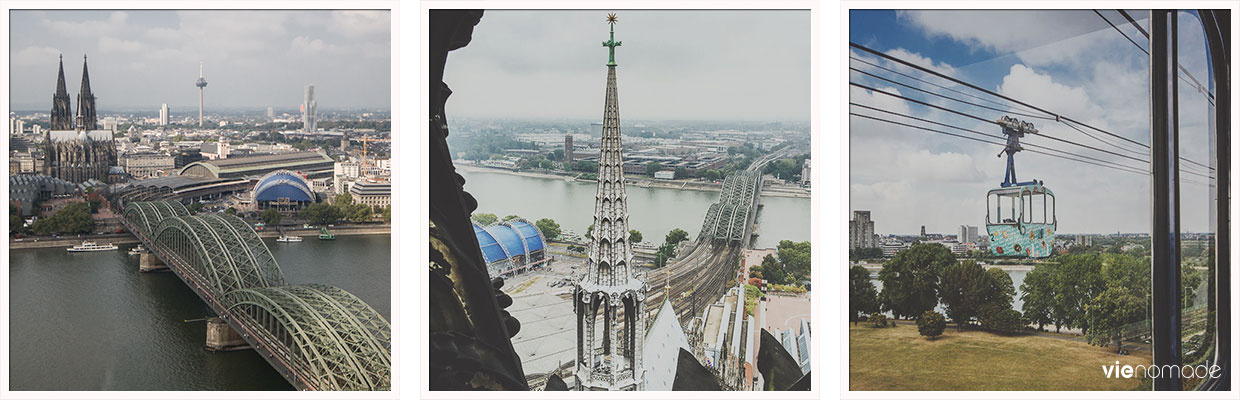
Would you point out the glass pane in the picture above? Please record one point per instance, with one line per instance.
(1197, 194)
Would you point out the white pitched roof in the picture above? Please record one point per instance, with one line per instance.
(661, 349)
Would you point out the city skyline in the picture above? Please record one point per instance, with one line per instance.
(696, 65)
(1070, 62)
(254, 58)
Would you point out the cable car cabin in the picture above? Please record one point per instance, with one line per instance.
(1021, 221)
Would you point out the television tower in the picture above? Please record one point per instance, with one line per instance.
(202, 83)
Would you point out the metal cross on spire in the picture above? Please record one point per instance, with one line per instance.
(612, 43)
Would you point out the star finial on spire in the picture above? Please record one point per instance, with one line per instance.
(611, 18)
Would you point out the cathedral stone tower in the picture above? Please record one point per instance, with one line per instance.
(86, 102)
(609, 299)
(62, 118)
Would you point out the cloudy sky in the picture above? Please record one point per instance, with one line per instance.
(140, 59)
(1069, 62)
(673, 65)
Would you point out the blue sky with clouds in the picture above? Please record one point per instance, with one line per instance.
(1069, 62)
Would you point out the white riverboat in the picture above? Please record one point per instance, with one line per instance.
(136, 250)
(91, 246)
(288, 239)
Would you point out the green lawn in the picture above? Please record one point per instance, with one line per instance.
(899, 359)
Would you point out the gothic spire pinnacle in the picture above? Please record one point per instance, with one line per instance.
(86, 100)
(61, 118)
(611, 43)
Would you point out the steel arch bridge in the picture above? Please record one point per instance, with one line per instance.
(731, 218)
(317, 336)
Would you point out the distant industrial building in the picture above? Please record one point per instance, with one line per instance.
(283, 190)
(805, 173)
(861, 231)
(311, 163)
(511, 247)
(374, 194)
(568, 148)
(967, 234)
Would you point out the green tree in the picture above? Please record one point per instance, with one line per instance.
(635, 236)
(590, 232)
(711, 175)
(877, 320)
(865, 253)
(998, 289)
(796, 258)
(195, 207)
(73, 218)
(961, 288)
(996, 318)
(270, 216)
(675, 236)
(320, 213)
(681, 173)
(1038, 295)
(343, 199)
(773, 271)
(549, 228)
(231, 211)
(387, 214)
(911, 279)
(509, 218)
(862, 297)
(931, 324)
(652, 167)
(1110, 311)
(356, 212)
(484, 218)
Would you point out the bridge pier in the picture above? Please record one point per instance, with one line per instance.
(150, 262)
(222, 337)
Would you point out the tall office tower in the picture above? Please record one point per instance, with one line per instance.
(201, 84)
(568, 148)
(610, 294)
(309, 109)
(271, 113)
(163, 115)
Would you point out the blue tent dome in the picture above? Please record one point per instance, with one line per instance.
(283, 184)
(508, 239)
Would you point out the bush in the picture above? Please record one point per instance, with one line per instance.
(1001, 320)
(931, 324)
(877, 320)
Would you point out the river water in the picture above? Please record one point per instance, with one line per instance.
(652, 211)
(91, 321)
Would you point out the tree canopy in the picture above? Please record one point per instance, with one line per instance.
(862, 296)
(911, 279)
(549, 228)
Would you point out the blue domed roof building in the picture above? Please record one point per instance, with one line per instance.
(283, 190)
(511, 247)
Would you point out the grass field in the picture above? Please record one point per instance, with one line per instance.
(898, 358)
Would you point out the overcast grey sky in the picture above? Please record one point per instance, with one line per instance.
(139, 59)
(673, 65)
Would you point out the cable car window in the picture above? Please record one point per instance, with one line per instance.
(1197, 192)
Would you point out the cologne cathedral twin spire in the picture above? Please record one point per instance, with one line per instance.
(62, 118)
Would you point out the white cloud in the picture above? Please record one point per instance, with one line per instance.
(110, 44)
(356, 23)
(33, 56)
